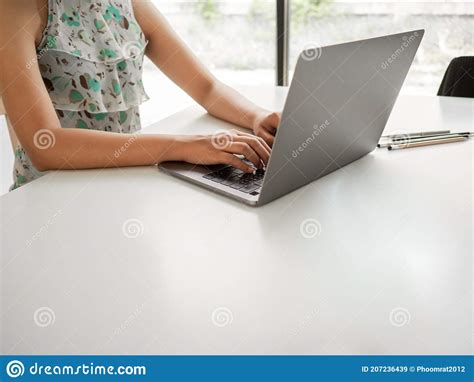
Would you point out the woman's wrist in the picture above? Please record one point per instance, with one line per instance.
(176, 148)
(158, 148)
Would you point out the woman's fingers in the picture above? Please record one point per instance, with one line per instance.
(232, 160)
(259, 146)
(253, 148)
(267, 137)
(265, 144)
(242, 148)
(254, 136)
(257, 143)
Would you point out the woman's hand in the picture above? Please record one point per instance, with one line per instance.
(266, 125)
(223, 148)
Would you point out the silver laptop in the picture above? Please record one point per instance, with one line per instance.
(337, 107)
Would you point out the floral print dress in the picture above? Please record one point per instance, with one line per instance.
(91, 59)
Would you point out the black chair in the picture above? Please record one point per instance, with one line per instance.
(459, 78)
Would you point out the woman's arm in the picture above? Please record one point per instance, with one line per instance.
(32, 115)
(169, 53)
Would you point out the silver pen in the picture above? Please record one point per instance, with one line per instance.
(460, 134)
(404, 141)
(419, 134)
(429, 142)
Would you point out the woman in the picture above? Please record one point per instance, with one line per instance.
(70, 78)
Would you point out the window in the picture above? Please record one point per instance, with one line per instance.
(448, 24)
(234, 38)
(237, 39)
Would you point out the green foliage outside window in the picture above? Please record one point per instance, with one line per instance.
(208, 9)
(305, 11)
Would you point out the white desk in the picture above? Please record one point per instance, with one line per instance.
(395, 242)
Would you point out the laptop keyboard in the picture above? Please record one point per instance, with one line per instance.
(238, 180)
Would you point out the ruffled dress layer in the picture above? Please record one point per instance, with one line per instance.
(91, 60)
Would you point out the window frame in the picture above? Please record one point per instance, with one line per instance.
(282, 42)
